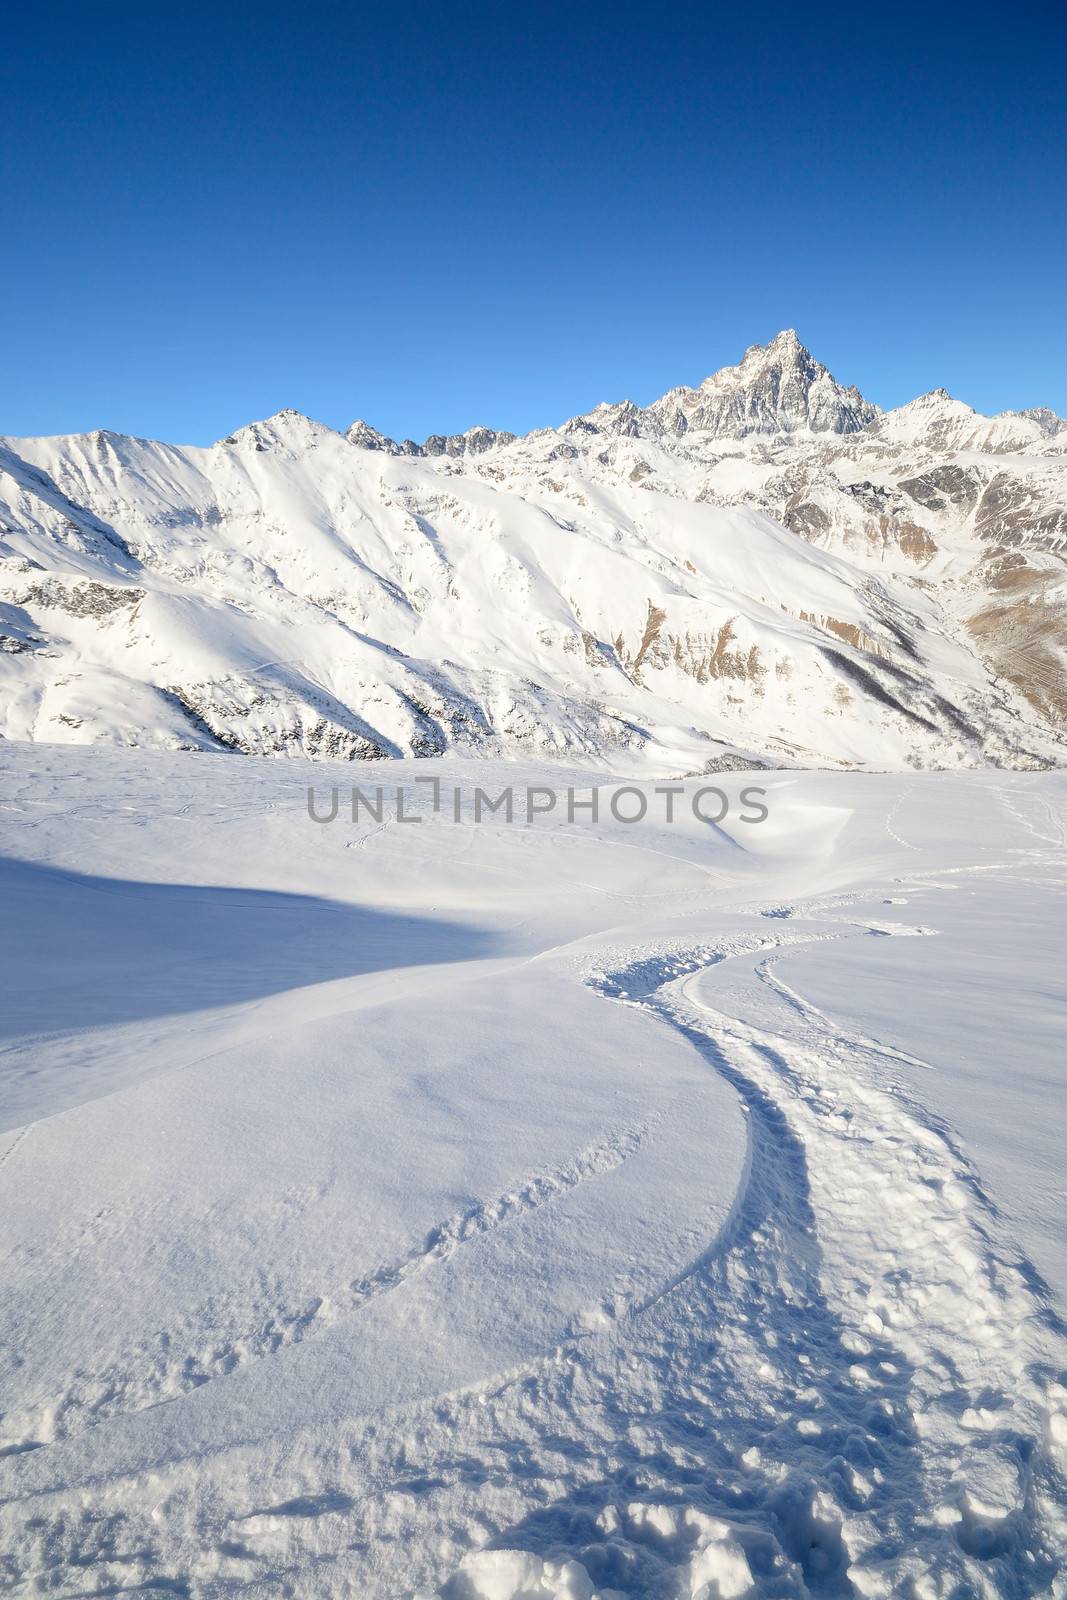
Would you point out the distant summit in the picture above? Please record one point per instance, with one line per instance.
(778, 388)
(776, 391)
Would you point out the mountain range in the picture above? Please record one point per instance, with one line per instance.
(765, 570)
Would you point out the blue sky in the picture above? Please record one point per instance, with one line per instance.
(432, 216)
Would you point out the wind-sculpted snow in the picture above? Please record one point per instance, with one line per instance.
(764, 569)
(605, 1232)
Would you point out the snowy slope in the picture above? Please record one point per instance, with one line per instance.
(496, 1211)
(763, 568)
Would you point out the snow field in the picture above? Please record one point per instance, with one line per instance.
(565, 1246)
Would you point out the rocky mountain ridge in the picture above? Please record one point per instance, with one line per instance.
(765, 569)
(778, 388)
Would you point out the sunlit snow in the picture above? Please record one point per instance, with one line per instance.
(536, 1209)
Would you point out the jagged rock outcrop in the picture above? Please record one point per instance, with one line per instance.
(778, 388)
(475, 442)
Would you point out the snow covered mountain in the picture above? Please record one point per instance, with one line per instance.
(762, 569)
(937, 422)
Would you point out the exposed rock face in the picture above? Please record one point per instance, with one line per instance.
(475, 442)
(763, 569)
(777, 388)
(365, 437)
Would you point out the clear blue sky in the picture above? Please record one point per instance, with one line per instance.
(435, 215)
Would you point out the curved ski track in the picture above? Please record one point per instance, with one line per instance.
(857, 1390)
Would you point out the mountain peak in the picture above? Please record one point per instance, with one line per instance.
(786, 343)
(938, 421)
(783, 351)
(287, 428)
(776, 388)
(365, 437)
(932, 400)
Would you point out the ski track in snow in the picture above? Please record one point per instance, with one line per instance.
(179, 1360)
(891, 817)
(19, 1137)
(857, 1390)
(883, 1367)
(1058, 839)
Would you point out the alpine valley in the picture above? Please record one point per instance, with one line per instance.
(766, 570)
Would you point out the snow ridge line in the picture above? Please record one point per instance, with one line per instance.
(156, 1374)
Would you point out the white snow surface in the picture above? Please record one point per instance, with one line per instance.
(553, 1209)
